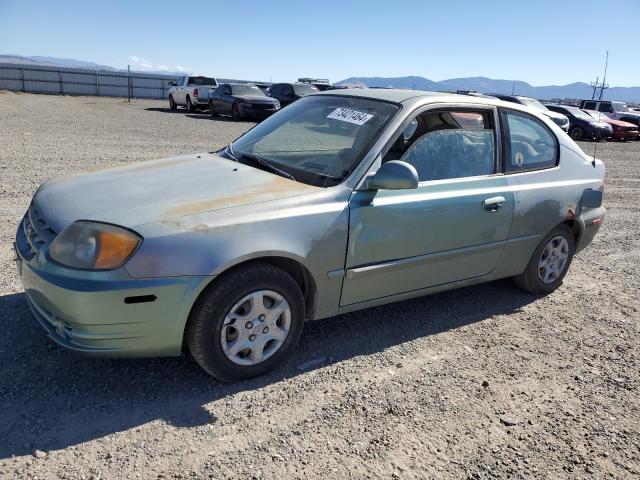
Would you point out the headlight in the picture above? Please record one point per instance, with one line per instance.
(93, 246)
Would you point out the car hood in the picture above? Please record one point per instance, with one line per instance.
(619, 123)
(256, 98)
(556, 115)
(157, 190)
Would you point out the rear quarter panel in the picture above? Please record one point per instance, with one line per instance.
(544, 199)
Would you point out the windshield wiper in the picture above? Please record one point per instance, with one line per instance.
(261, 161)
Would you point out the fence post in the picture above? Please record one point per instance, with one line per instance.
(97, 84)
(162, 82)
(129, 83)
(22, 78)
(60, 81)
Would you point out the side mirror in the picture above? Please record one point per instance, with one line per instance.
(394, 175)
(173, 84)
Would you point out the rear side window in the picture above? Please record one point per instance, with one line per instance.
(605, 107)
(589, 105)
(530, 145)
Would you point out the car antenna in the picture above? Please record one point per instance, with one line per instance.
(606, 64)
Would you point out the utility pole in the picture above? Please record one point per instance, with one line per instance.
(595, 87)
(604, 79)
(513, 87)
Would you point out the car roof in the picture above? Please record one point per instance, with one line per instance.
(395, 95)
(400, 96)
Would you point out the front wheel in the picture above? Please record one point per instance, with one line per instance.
(235, 112)
(212, 110)
(248, 324)
(549, 263)
(576, 133)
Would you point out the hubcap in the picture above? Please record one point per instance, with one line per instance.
(553, 259)
(255, 327)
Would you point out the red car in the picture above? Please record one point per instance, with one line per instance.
(621, 130)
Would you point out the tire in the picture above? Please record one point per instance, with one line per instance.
(576, 133)
(222, 332)
(235, 112)
(190, 108)
(172, 103)
(212, 110)
(536, 278)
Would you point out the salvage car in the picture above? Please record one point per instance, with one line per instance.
(287, 93)
(242, 101)
(620, 130)
(344, 200)
(582, 125)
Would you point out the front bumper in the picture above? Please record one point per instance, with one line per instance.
(623, 135)
(91, 313)
(250, 111)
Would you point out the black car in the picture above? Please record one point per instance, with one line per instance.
(288, 93)
(241, 100)
(581, 124)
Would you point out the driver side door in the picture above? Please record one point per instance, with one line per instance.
(452, 227)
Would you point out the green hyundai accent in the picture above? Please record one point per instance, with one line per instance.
(344, 200)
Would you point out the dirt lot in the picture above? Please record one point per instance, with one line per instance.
(479, 382)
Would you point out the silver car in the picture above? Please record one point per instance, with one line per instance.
(344, 200)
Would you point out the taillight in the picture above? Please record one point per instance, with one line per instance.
(195, 92)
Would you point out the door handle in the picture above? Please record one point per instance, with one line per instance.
(494, 203)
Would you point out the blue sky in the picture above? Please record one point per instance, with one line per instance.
(542, 42)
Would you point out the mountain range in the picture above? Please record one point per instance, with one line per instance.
(478, 84)
(490, 85)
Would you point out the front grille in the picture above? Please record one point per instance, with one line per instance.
(35, 233)
(263, 106)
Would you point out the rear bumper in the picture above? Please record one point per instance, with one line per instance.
(90, 316)
(591, 222)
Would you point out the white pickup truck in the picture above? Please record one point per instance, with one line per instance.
(191, 92)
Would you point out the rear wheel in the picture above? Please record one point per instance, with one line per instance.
(190, 108)
(549, 263)
(172, 103)
(248, 324)
(576, 133)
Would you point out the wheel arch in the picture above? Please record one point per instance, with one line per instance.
(293, 267)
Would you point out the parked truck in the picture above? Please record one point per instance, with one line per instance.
(191, 92)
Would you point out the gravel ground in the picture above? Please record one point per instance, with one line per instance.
(480, 382)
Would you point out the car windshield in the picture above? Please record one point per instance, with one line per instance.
(530, 102)
(620, 107)
(246, 90)
(303, 89)
(201, 81)
(318, 140)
